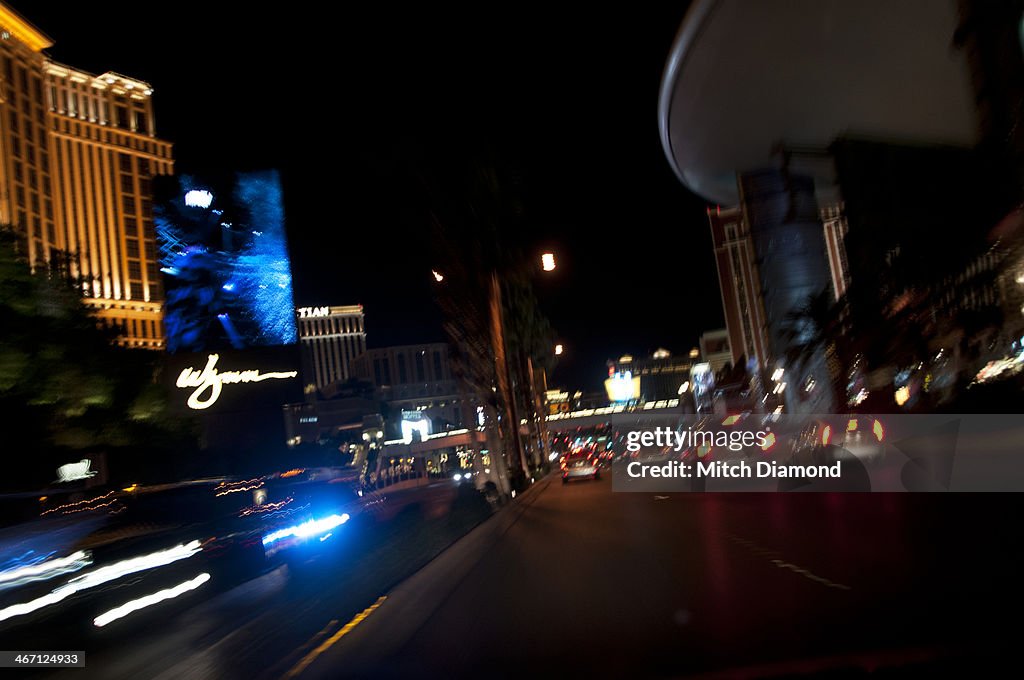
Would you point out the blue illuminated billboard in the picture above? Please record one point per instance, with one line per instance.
(224, 257)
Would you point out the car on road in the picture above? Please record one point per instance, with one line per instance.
(92, 563)
(862, 435)
(305, 519)
(580, 466)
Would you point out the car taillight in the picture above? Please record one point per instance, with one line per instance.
(769, 442)
(826, 435)
(878, 430)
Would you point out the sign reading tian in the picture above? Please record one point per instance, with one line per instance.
(313, 312)
(209, 381)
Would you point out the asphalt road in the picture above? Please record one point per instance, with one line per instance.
(575, 580)
(258, 629)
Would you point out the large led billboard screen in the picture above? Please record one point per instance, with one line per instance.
(224, 256)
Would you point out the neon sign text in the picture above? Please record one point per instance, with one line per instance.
(313, 312)
(209, 381)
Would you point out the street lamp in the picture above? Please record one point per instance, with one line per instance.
(558, 350)
(547, 261)
(438, 276)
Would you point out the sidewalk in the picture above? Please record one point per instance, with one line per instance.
(403, 609)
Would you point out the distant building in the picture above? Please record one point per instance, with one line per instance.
(772, 257)
(739, 284)
(904, 203)
(416, 383)
(344, 416)
(715, 350)
(78, 153)
(660, 376)
(332, 338)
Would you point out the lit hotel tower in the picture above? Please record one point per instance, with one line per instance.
(77, 155)
(739, 283)
(331, 338)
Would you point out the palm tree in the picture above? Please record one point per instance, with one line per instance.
(816, 336)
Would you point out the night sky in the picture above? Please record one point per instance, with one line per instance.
(352, 111)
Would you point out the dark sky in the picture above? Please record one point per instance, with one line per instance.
(347, 106)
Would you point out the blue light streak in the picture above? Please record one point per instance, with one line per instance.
(313, 527)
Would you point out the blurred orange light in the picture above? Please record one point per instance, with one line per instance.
(826, 435)
(852, 425)
(293, 472)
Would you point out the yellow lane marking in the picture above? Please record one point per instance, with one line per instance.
(326, 644)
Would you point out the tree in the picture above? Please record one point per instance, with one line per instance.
(492, 320)
(817, 333)
(63, 381)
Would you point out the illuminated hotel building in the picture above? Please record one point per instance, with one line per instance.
(739, 284)
(77, 156)
(414, 378)
(331, 337)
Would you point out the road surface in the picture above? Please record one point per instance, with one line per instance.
(580, 581)
(577, 580)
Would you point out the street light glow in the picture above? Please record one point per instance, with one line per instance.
(547, 261)
(558, 350)
(437, 275)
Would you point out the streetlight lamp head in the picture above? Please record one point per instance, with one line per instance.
(558, 350)
(438, 276)
(547, 261)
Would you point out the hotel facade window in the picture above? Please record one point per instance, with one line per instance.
(59, 176)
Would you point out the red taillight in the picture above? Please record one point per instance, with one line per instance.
(826, 435)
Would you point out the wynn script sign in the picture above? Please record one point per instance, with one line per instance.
(208, 382)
